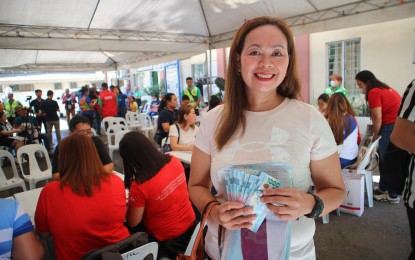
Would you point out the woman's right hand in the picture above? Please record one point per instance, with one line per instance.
(233, 215)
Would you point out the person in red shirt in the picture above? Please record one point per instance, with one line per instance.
(85, 210)
(384, 104)
(158, 195)
(108, 102)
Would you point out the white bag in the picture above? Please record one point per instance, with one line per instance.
(354, 202)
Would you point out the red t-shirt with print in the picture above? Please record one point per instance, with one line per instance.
(79, 224)
(168, 212)
(388, 100)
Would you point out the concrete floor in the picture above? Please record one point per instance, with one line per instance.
(382, 232)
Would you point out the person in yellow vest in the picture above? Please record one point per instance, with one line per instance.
(9, 107)
(193, 93)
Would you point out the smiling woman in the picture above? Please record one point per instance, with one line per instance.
(262, 120)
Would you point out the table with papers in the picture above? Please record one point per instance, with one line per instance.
(183, 156)
(28, 200)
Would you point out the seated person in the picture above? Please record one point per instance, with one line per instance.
(80, 124)
(322, 101)
(155, 103)
(185, 100)
(213, 102)
(344, 126)
(167, 115)
(182, 138)
(6, 131)
(164, 209)
(31, 128)
(18, 241)
(132, 105)
(86, 208)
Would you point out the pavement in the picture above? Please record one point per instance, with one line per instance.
(382, 232)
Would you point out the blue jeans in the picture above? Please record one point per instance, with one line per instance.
(385, 132)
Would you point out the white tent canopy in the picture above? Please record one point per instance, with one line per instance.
(106, 35)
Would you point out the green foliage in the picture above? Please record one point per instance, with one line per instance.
(153, 90)
(220, 83)
(359, 105)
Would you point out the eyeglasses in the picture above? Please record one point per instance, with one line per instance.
(85, 132)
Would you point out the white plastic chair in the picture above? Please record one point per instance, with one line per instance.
(35, 173)
(93, 131)
(112, 132)
(141, 252)
(146, 108)
(15, 181)
(361, 169)
(146, 123)
(132, 120)
(108, 121)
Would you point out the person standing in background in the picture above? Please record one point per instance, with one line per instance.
(107, 101)
(69, 100)
(403, 136)
(87, 105)
(93, 95)
(335, 85)
(10, 106)
(121, 101)
(193, 93)
(128, 91)
(51, 109)
(384, 104)
(35, 105)
(1, 107)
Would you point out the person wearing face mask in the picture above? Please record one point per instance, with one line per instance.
(384, 104)
(335, 85)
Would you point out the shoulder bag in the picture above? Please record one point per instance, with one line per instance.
(198, 250)
(166, 146)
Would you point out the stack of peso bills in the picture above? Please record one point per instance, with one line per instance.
(245, 183)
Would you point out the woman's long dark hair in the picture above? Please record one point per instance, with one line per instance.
(163, 102)
(370, 81)
(141, 159)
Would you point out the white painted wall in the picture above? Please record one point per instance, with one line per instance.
(387, 49)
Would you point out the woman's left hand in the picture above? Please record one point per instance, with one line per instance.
(294, 202)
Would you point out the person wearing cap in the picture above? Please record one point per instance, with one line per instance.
(35, 105)
(10, 106)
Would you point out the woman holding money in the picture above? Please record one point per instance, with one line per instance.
(263, 120)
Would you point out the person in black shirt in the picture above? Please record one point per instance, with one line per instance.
(166, 114)
(35, 106)
(51, 109)
(81, 124)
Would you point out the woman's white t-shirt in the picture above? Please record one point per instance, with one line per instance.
(186, 137)
(293, 132)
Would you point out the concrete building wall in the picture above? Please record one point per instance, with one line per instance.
(387, 49)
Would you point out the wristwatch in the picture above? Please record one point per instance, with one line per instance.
(317, 209)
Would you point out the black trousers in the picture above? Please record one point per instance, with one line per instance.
(411, 219)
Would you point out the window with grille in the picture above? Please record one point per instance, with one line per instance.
(73, 85)
(199, 72)
(344, 59)
(25, 87)
(58, 86)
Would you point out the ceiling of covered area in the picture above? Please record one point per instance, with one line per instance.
(81, 35)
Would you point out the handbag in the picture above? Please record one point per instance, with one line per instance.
(198, 249)
(396, 164)
(166, 146)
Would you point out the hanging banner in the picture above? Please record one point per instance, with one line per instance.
(172, 78)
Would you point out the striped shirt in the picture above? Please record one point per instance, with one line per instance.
(407, 111)
(13, 223)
